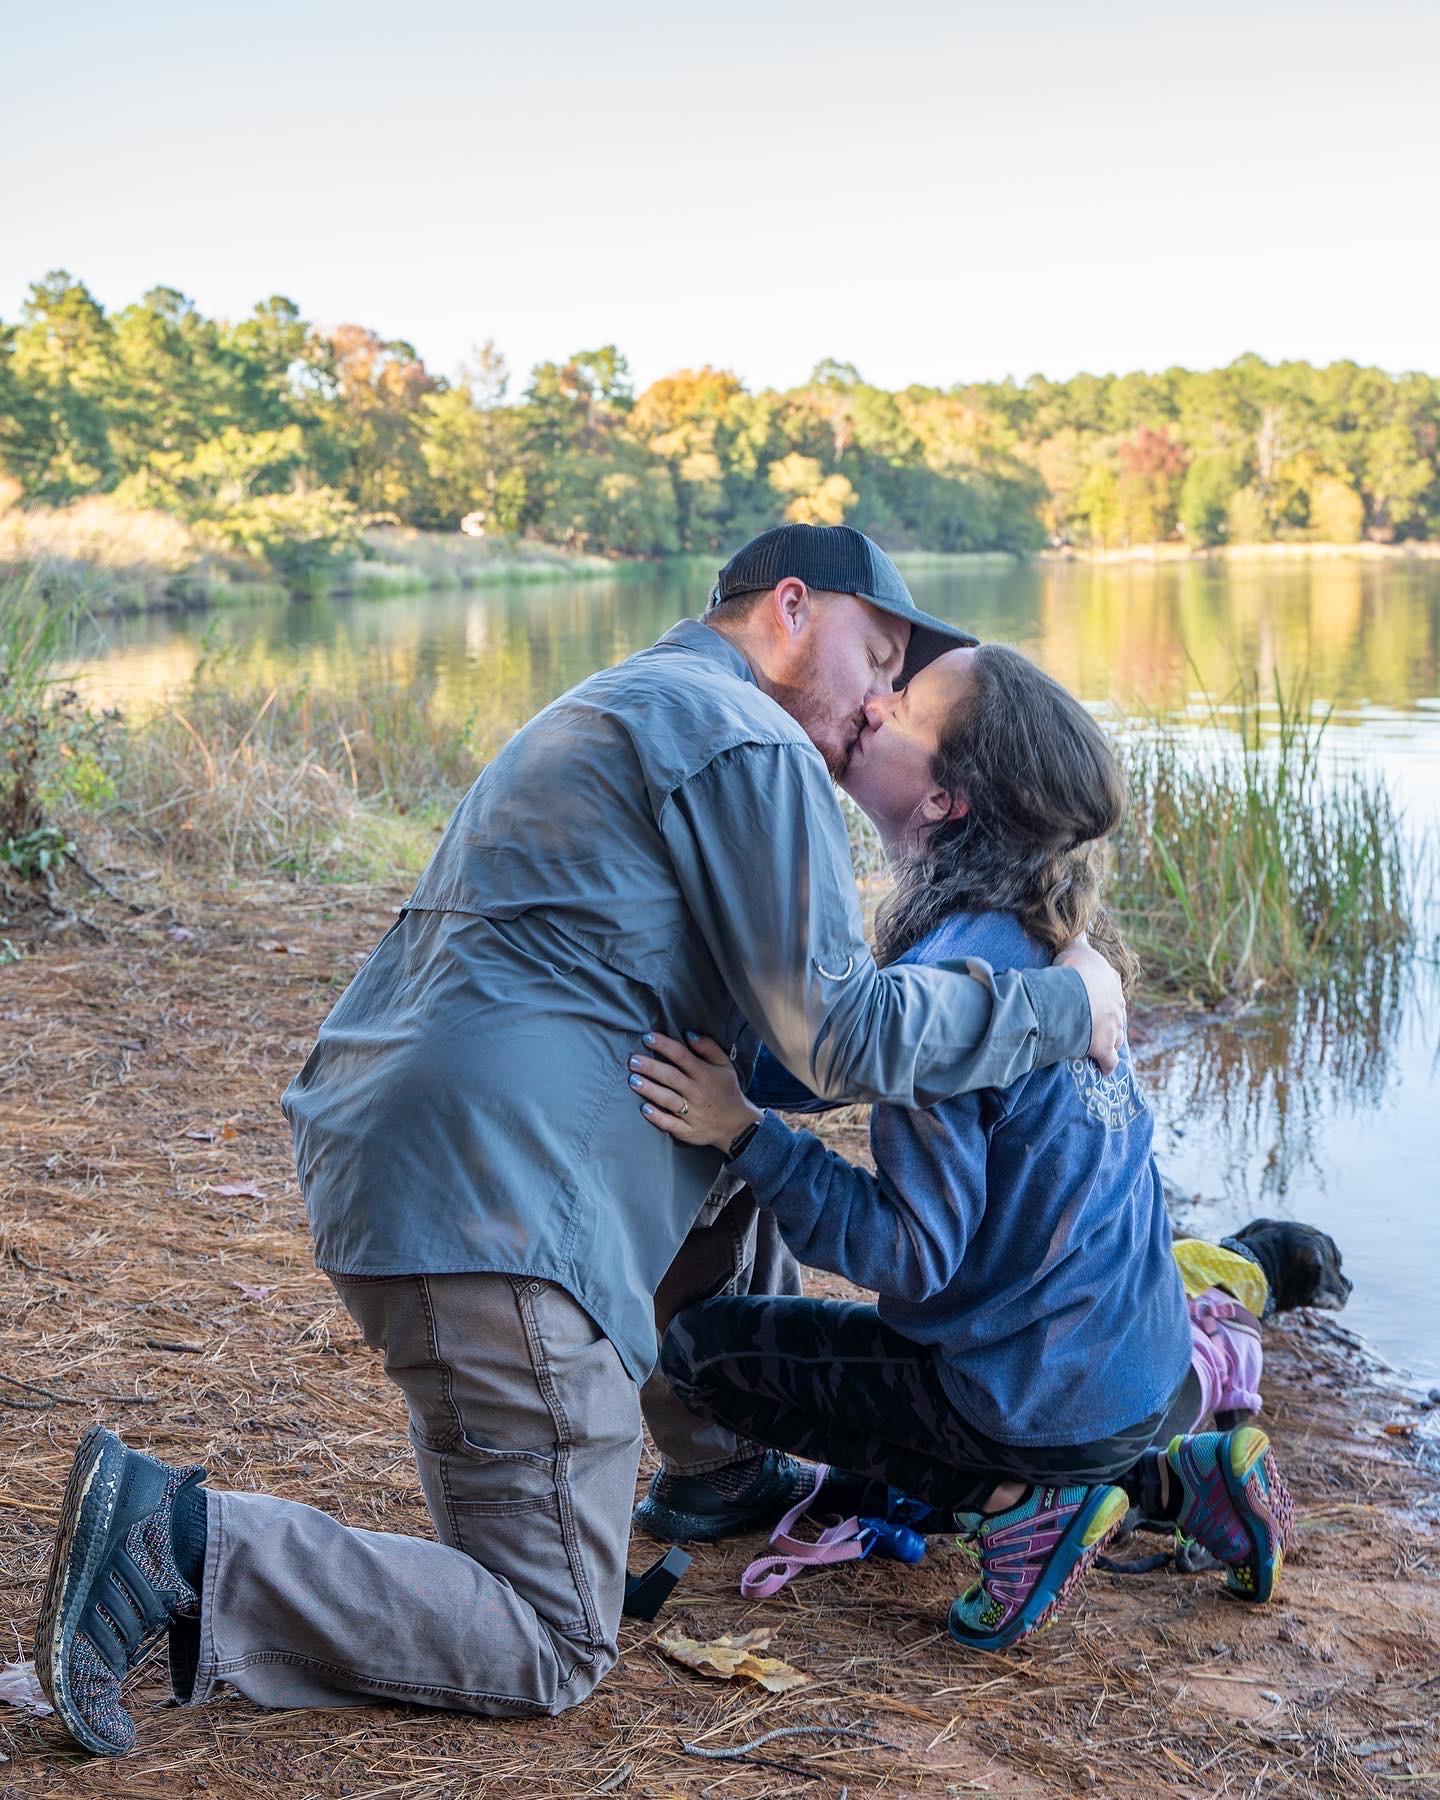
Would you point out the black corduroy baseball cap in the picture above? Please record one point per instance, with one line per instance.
(837, 559)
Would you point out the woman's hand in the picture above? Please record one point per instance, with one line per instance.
(691, 1093)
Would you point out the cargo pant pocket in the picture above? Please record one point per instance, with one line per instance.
(503, 1508)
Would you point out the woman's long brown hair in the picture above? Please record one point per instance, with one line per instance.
(1043, 790)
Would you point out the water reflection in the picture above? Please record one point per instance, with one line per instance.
(1283, 1076)
(1364, 632)
(1368, 634)
(1328, 1117)
(500, 654)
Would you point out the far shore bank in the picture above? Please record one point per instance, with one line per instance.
(430, 562)
(1285, 551)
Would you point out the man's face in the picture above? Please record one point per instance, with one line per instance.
(847, 654)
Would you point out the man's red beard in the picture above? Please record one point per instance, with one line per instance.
(813, 709)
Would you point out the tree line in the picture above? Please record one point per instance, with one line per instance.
(279, 439)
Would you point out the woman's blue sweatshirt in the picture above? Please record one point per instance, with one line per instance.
(1021, 1233)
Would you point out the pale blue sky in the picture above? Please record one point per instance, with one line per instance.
(935, 192)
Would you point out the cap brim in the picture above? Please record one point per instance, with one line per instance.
(929, 637)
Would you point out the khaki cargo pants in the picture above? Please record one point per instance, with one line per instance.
(526, 1430)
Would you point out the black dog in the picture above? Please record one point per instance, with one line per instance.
(1300, 1262)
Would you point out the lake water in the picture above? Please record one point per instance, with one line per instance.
(1329, 1117)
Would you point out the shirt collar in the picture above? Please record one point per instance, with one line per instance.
(695, 636)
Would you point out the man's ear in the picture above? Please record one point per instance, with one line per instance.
(791, 606)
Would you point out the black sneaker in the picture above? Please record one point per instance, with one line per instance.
(114, 1586)
(748, 1496)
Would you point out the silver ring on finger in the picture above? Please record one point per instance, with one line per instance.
(684, 1108)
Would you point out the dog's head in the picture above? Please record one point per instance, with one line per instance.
(1301, 1263)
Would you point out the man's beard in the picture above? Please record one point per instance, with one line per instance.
(813, 709)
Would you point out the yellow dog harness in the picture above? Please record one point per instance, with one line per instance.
(1205, 1266)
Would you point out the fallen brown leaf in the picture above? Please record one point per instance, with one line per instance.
(282, 949)
(726, 1657)
(239, 1190)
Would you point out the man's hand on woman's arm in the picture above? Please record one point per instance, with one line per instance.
(1107, 1000)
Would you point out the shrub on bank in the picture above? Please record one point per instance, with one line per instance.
(54, 753)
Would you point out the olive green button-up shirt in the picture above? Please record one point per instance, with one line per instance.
(661, 847)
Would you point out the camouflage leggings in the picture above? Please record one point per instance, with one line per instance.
(829, 1380)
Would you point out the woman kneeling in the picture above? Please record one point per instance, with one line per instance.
(1027, 1369)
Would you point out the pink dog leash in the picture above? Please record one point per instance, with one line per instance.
(835, 1544)
(849, 1541)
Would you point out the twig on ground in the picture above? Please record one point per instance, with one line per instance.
(744, 1752)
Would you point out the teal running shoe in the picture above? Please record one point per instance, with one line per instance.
(114, 1587)
(1235, 1504)
(1032, 1558)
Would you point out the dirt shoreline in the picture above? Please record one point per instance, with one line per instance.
(155, 1273)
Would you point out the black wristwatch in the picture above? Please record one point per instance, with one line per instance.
(741, 1142)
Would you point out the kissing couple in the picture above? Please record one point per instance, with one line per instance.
(540, 1132)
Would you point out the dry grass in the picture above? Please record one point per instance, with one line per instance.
(96, 531)
(110, 556)
(115, 557)
(140, 1078)
(236, 777)
(400, 557)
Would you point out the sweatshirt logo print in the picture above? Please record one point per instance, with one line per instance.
(1113, 1101)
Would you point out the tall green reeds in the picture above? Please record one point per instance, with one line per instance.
(1251, 859)
(36, 634)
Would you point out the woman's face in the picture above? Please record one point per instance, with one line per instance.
(891, 773)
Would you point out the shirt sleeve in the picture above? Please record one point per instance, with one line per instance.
(836, 1216)
(786, 934)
